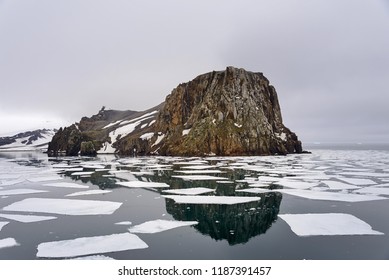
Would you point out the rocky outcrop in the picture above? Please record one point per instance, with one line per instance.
(231, 112)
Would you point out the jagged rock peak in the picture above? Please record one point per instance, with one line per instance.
(231, 112)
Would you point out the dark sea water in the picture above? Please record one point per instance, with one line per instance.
(351, 182)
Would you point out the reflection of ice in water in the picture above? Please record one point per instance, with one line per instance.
(327, 224)
(90, 245)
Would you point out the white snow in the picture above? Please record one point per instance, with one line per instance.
(27, 218)
(187, 199)
(358, 181)
(8, 242)
(2, 224)
(150, 123)
(185, 132)
(141, 184)
(159, 139)
(198, 177)
(20, 191)
(333, 196)
(91, 192)
(147, 136)
(190, 191)
(64, 206)
(327, 224)
(198, 167)
(67, 185)
(112, 124)
(90, 245)
(159, 226)
(238, 125)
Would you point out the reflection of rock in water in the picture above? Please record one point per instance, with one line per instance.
(235, 223)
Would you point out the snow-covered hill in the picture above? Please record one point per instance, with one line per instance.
(27, 141)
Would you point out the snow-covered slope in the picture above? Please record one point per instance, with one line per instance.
(27, 141)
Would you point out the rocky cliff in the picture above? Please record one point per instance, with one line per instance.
(231, 112)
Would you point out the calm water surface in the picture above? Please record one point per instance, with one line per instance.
(252, 230)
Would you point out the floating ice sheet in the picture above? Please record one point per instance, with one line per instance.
(373, 190)
(27, 218)
(2, 224)
(333, 196)
(295, 184)
(141, 184)
(20, 191)
(335, 185)
(67, 185)
(358, 181)
(159, 226)
(91, 192)
(90, 245)
(255, 190)
(64, 206)
(327, 224)
(124, 223)
(187, 199)
(44, 179)
(8, 242)
(202, 171)
(190, 191)
(199, 177)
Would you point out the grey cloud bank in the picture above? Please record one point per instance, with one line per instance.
(328, 60)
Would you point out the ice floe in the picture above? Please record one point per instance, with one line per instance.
(327, 224)
(90, 245)
(295, 184)
(2, 224)
(188, 199)
(91, 192)
(159, 226)
(141, 184)
(82, 173)
(8, 242)
(333, 196)
(358, 181)
(20, 191)
(190, 191)
(67, 185)
(373, 190)
(255, 190)
(27, 218)
(124, 223)
(44, 179)
(335, 185)
(199, 177)
(64, 206)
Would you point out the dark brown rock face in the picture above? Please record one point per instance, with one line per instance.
(231, 112)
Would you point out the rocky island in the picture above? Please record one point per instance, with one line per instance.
(224, 113)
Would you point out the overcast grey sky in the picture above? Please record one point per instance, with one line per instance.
(328, 59)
